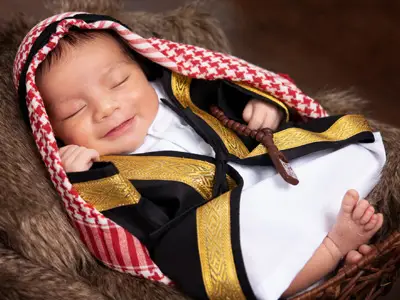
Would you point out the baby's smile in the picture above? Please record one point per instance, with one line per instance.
(122, 128)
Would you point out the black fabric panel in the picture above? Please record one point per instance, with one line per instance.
(230, 98)
(177, 255)
(171, 153)
(248, 95)
(203, 93)
(158, 233)
(171, 197)
(163, 204)
(236, 246)
(232, 101)
(139, 219)
(98, 170)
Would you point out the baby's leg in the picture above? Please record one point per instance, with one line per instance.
(355, 225)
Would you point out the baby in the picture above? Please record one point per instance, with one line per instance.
(100, 102)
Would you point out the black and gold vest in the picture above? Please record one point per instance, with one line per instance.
(185, 207)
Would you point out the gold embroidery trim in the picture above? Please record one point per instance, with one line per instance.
(265, 95)
(195, 173)
(343, 129)
(108, 193)
(215, 250)
(181, 90)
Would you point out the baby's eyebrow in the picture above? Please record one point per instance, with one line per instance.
(51, 106)
(112, 67)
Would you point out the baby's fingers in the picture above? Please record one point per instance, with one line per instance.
(86, 156)
(68, 152)
(94, 155)
(81, 160)
(258, 117)
(248, 111)
(270, 122)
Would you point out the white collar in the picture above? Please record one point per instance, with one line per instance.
(164, 116)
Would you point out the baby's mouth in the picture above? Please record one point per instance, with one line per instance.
(121, 128)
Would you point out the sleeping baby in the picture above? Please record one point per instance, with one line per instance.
(206, 200)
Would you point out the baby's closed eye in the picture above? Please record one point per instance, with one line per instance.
(119, 82)
(67, 109)
(117, 76)
(75, 112)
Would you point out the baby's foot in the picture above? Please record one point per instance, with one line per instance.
(354, 256)
(356, 223)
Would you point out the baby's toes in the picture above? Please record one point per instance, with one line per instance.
(379, 223)
(360, 209)
(372, 223)
(353, 257)
(349, 201)
(367, 215)
(365, 249)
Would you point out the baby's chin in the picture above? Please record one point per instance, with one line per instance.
(123, 148)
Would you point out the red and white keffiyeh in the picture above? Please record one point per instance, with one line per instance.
(107, 241)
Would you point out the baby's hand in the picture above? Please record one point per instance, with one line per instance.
(259, 114)
(77, 159)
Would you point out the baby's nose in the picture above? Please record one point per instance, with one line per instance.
(105, 108)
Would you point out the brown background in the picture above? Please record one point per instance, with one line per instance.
(331, 44)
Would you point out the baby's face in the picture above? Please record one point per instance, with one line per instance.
(99, 98)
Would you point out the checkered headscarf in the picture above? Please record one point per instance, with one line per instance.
(107, 241)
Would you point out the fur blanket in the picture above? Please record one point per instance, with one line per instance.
(41, 256)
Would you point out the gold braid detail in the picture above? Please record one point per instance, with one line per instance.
(343, 129)
(181, 90)
(197, 174)
(107, 193)
(215, 250)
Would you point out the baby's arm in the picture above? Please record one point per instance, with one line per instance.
(77, 159)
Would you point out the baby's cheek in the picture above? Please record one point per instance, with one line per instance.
(76, 134)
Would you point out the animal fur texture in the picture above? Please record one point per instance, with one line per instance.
(41, 256)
